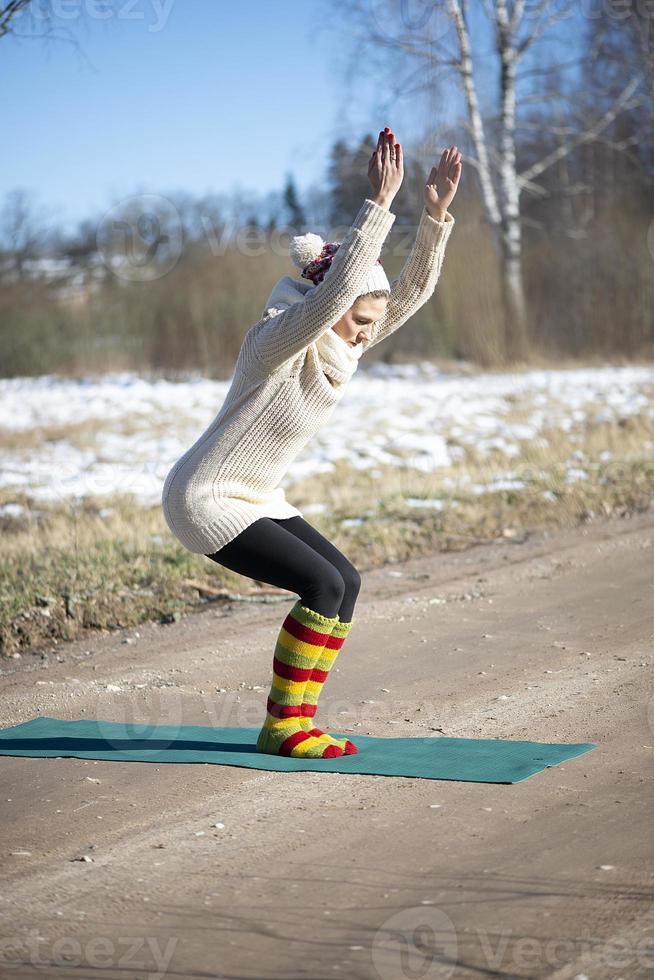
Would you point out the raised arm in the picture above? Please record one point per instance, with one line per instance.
(417, 280)
(287, 333)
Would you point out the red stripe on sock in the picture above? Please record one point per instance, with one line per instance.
(334, 642)
(283, 710)
(308, 710)
(289, 743)
(319, 675)
(289, 672)
(348, 749)
(305, 633)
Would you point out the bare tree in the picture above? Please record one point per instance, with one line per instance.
(518, 28)
(8, 11)
(23, 230)
(40, 19)
(625, 47)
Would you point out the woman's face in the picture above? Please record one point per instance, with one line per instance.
(356, 325)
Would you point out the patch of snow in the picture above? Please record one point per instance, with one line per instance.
(403, 416)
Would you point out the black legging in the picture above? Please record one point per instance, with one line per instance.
(291, 554)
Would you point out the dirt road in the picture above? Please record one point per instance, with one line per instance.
(319, 875)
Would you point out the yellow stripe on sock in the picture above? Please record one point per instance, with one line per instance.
(287, 643)
(288, 688)
(312, 692)
(303, 748)
(279, 724)
(326, 659)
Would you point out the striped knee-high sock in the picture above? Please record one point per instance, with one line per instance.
(303, 635)
(317, 680)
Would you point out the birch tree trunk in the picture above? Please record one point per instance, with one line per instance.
(503, 207)
(517, 25)
(515, 305)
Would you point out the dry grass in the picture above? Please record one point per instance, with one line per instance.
(588, 297)
(108, 563)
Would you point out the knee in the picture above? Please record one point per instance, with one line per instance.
(351, 579)
(329, 585)
(335, 586)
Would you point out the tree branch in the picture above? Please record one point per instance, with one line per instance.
(541, 26)
(7, 13)
(586, 137)
(474, 113)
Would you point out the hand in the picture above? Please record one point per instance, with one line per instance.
(386, 169)
(442, 183)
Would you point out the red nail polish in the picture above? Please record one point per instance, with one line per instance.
(387, 130)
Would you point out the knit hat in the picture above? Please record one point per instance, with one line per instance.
(314, 257)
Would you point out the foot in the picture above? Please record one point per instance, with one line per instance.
(286, 736)
(348, 747)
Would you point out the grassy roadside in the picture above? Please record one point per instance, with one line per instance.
(107, 563)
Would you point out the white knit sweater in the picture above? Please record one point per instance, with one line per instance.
(290, 374)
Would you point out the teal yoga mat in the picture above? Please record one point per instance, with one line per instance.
(478, 760)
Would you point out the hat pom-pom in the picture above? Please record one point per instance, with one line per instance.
(304, 248)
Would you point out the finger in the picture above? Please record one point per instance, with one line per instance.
(453, 174)
(443, 162)
(455, 162)
(399, 156)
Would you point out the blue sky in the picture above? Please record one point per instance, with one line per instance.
(193, 95)
(204, 96)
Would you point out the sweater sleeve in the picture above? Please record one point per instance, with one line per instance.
(417, 280)
(292, 330)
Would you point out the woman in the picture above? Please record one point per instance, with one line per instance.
(222, 498)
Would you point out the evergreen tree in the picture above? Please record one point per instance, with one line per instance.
(348, 185)
(296, 215)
